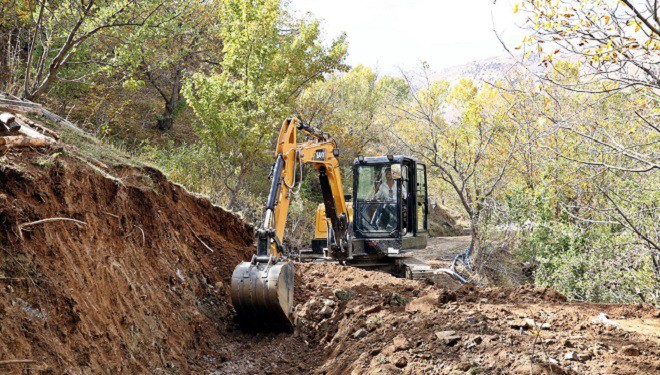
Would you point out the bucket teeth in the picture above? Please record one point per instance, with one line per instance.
(262, 294)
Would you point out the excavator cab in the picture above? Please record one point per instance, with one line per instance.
(390, 206)
(388, 216)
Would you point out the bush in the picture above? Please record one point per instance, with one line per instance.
(586, 261)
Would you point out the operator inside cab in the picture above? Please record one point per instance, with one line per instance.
(387, 191)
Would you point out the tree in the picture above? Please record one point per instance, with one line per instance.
(268, 58)
(617, 46)
(350, 108)
(60, 29)
(616, 40)
(184, 41)
(14, 29)
(471, 152)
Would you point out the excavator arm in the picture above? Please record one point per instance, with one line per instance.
(262, 289)
(321, 151)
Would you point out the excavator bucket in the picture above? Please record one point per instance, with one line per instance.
(262, 293)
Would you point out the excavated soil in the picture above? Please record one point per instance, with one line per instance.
(140, 285)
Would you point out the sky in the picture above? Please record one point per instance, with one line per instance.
(388, 34)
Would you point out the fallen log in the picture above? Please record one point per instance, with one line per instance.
(25, 141)
(40, 128)
(8, 122)
(29, 132)
(7, 118)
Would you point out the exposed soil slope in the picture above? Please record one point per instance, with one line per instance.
(132, 290)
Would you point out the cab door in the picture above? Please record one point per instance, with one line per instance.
(421, 199)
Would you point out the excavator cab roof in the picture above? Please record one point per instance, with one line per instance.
(383, 159)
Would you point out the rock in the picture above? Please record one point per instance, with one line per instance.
(327, 308)
(401, 343)
(602, 318)
(519, 324)
(425, 304)
(630, 350)
(442, 334)
(571, 356)
(474, 342)
(568, 344)
(449, 338)
(375, 351)
(401, 362)
(472, 320)
(360, 333)
(371, 326)
(584, 357)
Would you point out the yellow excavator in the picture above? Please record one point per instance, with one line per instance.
(380, 230)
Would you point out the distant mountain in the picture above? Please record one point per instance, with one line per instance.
(487, 70)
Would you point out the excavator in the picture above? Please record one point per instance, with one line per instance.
(380, 230)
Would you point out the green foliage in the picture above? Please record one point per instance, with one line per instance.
(598, 264)
(242, 103)
(586, 261)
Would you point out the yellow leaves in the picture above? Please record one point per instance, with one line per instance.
(515, 8)
(631, 131)
(607, 19)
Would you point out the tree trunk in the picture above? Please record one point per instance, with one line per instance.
(238, 186)
(475, 240)
(166, 119)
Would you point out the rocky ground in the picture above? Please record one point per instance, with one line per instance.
(381, 324)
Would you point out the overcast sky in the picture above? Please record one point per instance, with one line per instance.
(385, 34)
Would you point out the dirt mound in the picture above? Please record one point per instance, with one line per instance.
(376, 324)
(442, 223)
(138, 282)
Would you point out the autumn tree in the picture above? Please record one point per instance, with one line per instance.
(268, 58)
(461, 134)
(58, 31)
(183, 41)
(349, 106)
(616, 48)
